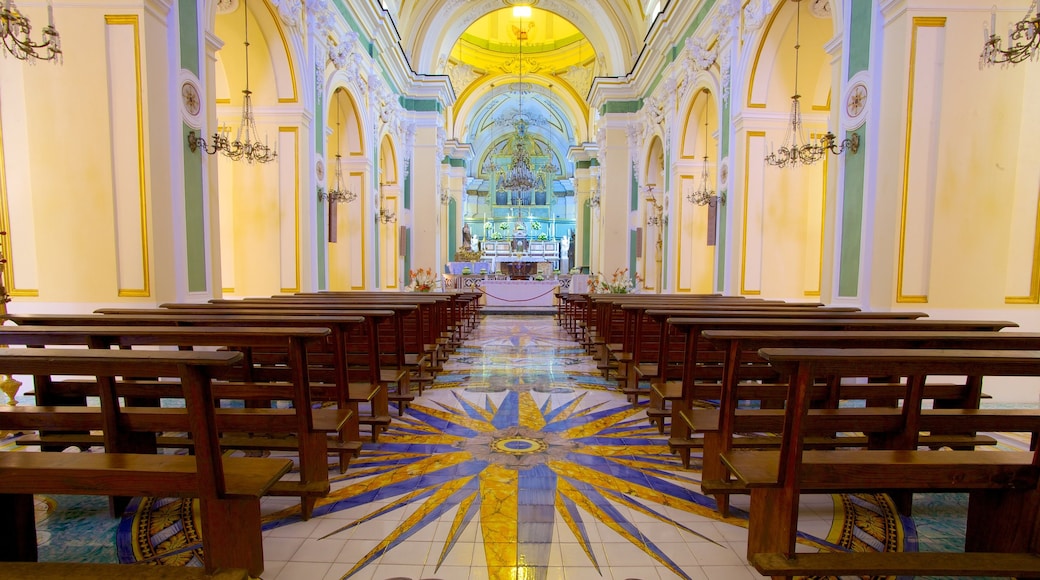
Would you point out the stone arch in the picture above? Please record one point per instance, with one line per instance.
(694, 253)
(346, 134)
(261, 206)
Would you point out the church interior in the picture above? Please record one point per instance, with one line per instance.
(859, 156)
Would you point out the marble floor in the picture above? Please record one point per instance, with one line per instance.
(521, 463)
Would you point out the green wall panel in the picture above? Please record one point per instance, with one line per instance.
(586, 237)
(195, 225)
(453, 222)
(859, 36)
(188, 16)
(851, 223)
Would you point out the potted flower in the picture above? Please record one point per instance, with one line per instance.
(619, 283)
(423, 280)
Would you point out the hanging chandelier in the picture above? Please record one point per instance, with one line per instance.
(385, 215)
(520, 177)
(1023, 38)
(796, 149)
(247, 144)
(704, 194)
(339, 193)
(15, 29)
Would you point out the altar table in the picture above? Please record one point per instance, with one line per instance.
(519, 292)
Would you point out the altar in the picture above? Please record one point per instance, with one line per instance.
(519, 292)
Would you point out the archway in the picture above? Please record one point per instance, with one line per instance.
(781, 210)
(259, 203)
(388, 252)
(698, 156)
(655, 217)
(347, 219)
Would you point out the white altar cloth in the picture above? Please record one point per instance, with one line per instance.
(519, 292)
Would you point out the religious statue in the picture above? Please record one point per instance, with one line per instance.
(467, 236)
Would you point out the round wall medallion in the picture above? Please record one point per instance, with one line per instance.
(319, 170)
(724, 174)
(856, 100)
(191, 98)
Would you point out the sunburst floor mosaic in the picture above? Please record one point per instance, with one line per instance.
(520, 463)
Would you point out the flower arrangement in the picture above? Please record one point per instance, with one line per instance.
(423, 280)
(543, 236)
(619, 283)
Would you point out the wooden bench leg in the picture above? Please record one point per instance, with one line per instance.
(1003, 521)
(231, 535)
(772, 521)
(18, 536)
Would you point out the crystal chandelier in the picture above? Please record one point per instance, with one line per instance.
(385, 215)
(655, 209)
(339, 193)
(1023, 38)
(15, 29)
(247, 143)
(796, 149)
(519, 177)
(704, 195)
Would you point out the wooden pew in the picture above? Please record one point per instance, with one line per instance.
(719, 426)
(391, 349)
(346, 394)
(78, 571)
(1003, 528)
(637, 354)
(410, 338)
(697, 352)
(267, 427)
(229, 489)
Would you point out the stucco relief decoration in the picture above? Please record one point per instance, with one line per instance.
(291, 12)
(698, 53)
(226, 6)
(724, 76)
(320, 19)
(340, 54)
(755, 15)
(579, 77)
(319, 81)
(682, 83)
(512, 66)
(461, 75)
(442, 140)
(565, 10)
(634, 133)
(726, 20)
(409, 145)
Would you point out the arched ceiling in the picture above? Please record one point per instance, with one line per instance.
(430, 28)
(537, 64)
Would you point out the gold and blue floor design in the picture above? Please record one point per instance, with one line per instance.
(522, 463)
